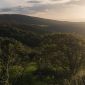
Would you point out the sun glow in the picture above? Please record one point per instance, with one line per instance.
(71, 10)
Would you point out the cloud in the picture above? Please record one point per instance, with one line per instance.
(77, 2)
(32, 1)
(60, 1)
(55, 9)
(42, 6)
(51, 1)
(15, 3)
(26, 6)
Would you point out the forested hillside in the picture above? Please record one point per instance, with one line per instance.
(30, 55)
(42, 24)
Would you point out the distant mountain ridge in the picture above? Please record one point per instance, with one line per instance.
(24, 19)
(46, 24)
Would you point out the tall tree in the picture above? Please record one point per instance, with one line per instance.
(12, 53)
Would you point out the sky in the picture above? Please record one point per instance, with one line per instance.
(66, 10)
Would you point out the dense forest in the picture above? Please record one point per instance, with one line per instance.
(41, 24)
(31, 55)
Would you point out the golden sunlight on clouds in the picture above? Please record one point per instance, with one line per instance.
(56, 1)
(71, 10)
(76, 13)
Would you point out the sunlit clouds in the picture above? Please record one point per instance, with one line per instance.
(71, 10)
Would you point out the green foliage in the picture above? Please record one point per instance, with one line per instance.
(40, 59)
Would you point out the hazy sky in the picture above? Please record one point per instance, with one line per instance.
(72, 10)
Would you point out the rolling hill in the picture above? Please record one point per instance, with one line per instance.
(42, 24)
